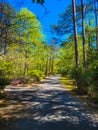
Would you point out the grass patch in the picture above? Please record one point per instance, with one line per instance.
(68, 83)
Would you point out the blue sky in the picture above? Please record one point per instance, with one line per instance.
(46, 16)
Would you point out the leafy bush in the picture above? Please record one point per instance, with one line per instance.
(16, 81)
(4, 79)
(23, 80)
(31, 80)
(27, 80)
(83, 79)
(93, 90)
(37, 74)
(95, 79)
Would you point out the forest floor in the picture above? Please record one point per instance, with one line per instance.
(47, 106)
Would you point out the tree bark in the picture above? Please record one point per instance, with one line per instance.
(25, 64)
(96, 19)
(75, 33)
(46, 68)
(83, 35)
(52, 65)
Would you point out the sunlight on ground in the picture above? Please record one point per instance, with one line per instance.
(1, 101)
(68, 83)
(43, 106)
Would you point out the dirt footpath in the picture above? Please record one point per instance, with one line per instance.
(45, 107)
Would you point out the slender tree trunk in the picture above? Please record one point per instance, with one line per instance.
(25, 68)
(4, 43)
(83, 35)
(46, 68)
(75, 33)
(96, 19)
(89, 38)
(2, 30)
(52, 65)
(89, 42)
(26, 64)
(50, 59)
(3, 49)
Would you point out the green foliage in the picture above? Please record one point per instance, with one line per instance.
(27, 80)
(95, 79)
(28, 28)
(83, 79)
(93, 88)
(7, 12)
(37, 74)
(4, 79)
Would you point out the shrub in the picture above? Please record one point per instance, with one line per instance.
(27, 80)
(37, 74)
(95, 79)
(24, 80)
(83, 79)
(16, 81)
(31, 80)
(4, 79)
(93, 91)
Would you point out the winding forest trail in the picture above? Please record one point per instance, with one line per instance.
(45, 107)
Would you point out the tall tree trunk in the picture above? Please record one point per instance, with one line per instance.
(52, 65)
(89, 37)
(83, 35)
(26, 64)
(96, 19)
(50, 60)
(25, 68)
(46, 68)
(75, 33)
(3, 49)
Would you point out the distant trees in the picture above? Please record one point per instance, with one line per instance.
(7, 13)
(28, 31)
(22, 45)
(24, 54)
(78, 20)
(82, 17)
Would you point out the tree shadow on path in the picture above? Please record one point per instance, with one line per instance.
(46, 107)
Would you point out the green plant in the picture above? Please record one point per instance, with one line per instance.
(4, 79)
(37, 74)
(94, 86)
(83, 79)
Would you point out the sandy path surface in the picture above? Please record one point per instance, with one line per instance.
(45, 107)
